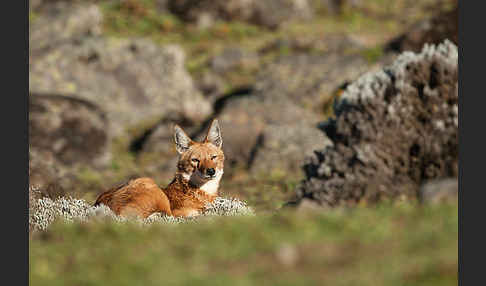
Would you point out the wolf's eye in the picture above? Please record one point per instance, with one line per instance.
(214, 157)
(195, 160)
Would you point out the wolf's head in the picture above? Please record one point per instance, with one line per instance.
(201, 163)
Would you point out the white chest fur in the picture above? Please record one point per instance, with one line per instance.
(211, 187)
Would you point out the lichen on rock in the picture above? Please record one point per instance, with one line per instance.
(394, 129)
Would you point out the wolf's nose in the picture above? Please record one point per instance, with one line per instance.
(210, 171)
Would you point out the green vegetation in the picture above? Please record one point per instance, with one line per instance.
(372, 55)
(264, 193)
(137, 17)
(32, 16)
(402, 244)
(91, 182)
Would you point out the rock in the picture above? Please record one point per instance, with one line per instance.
(436, 191)
(242, 127)
(332, 43)
(211, 85)
(262, 133)
(233, 67)
(62, 22)
(67, 132)
(34, 4)
(156, 151)
(284, 145)
(257, 134)
(309, 80)
(430, 31)
(336, 6)
(41, 6)
(45, 179)
(232, 58)
(394, 129)
(273, 13)
(284, 110)
(270, 14)
(162, 6)
(273, 125)
(136, 82)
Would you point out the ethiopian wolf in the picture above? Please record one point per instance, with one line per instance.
(195, 183)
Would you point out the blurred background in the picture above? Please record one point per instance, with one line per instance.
(109, 79)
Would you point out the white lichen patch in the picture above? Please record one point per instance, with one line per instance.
(45, 211)
(373, 84)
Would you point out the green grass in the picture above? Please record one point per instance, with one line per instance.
(137, 17)
(372, 55)
(32, 16)
(385, 245)
(264, 192)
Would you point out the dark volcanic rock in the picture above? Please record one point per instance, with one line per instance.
(68, 131)
(65, 134)
(394, 129)
(430, 31)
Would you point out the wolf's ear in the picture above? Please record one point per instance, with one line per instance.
(214, 134)
(182, 141)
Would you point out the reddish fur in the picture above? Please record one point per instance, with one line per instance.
(185, 199)
(139, 196)
(143, 197)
